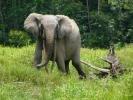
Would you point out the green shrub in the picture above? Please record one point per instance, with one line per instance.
(100, 33)
(18, 38)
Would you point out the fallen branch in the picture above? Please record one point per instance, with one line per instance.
(114, 68)
(106, 60)
(94, 67)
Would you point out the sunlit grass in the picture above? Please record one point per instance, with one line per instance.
(19, 80)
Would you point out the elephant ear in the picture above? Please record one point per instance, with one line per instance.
(33, 24)
(40, 26)
(64, 26)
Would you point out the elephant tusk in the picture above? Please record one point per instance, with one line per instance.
(41, 65)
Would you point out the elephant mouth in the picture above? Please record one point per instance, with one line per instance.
(52, 56)
(50, 52)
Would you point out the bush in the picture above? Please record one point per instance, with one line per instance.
(106, 30)
(100, 34)
(18, 38)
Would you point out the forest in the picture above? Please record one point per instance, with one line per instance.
(101, 22)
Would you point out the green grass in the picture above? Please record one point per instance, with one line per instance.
(19, 80)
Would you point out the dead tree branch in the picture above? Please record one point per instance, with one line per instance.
(96, 68)
(114, 67)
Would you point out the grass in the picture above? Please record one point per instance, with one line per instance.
(19, 80)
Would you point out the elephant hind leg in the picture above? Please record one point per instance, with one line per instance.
(77, 65)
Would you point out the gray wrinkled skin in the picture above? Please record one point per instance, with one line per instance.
(44, 28)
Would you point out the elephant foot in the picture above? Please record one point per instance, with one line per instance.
(83, 76)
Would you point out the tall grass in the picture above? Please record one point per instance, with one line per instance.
(19, 80)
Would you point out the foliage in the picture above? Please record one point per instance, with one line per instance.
(18, 38)
(19, 80)
(108, 20)
(99, 35)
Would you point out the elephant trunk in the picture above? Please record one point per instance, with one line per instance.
(48, 45)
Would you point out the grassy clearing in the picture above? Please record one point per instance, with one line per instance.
(19, 80)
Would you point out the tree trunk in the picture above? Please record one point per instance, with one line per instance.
(2, 22)
(98, 8)
(88, 14)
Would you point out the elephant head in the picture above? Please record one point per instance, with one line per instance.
(32, 24)
(46, 28)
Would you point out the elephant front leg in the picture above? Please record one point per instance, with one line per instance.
(61, 65)
(67, 66)
(38, 52)
(60, 61)
(77, 65)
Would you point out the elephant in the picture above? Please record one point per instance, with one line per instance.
(46, 29)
